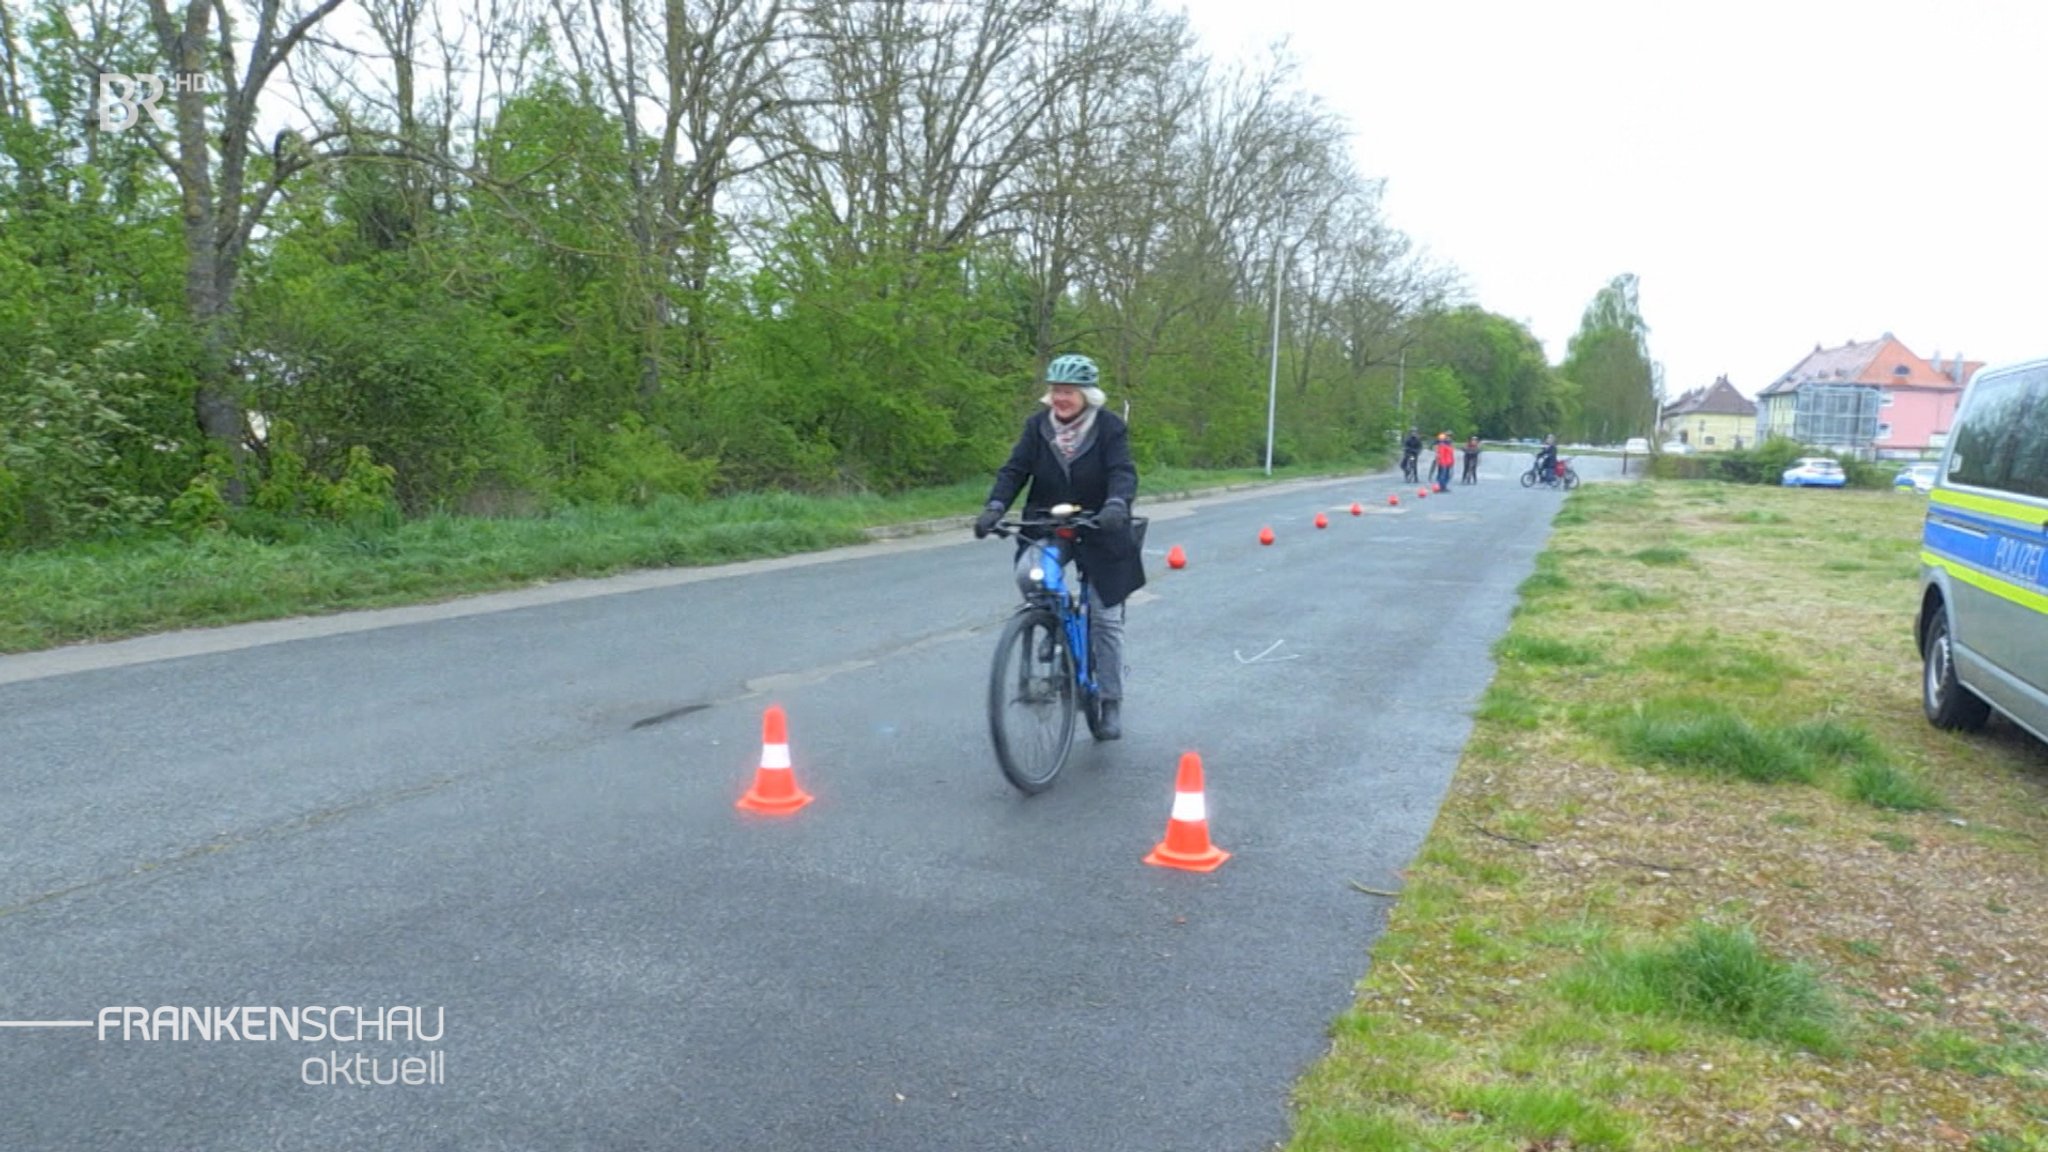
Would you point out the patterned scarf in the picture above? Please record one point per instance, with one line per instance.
(1067, 437)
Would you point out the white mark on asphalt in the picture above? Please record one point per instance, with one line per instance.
(1262, 657)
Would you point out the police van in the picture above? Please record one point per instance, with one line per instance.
(1983, 625)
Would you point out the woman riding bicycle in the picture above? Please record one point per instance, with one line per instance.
(1078, 452)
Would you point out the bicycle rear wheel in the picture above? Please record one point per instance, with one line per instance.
(1571, 479)
(1031, 699)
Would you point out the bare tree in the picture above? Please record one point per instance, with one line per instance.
(214, 95)
(914, 121)
(13, 95)
(692, 83)
(1088, 175)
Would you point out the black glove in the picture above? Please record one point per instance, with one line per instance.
(986, 522)
(1114, 517)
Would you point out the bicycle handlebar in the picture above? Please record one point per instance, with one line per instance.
(1007, 528)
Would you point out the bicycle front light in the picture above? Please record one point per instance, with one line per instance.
(1032, 581)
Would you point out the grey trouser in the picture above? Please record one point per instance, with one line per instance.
(1105, 632)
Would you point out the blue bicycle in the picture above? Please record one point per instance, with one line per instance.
(1043, 674)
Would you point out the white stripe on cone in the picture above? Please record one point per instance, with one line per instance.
(774, 755)
(1188, 807)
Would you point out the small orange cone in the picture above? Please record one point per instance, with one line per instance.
(1187, 844)
(1265, 535)
(1357, 509)
(1175, 558)
(1422, 493)
(1322, 521)
(774, 789)
(1393, 501)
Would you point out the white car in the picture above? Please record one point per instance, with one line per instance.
(1815, 472)
(1918, 477)
(1637, 447)
(1676, 448)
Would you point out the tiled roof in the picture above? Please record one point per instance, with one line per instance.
(1880, 363)
(1717, 399)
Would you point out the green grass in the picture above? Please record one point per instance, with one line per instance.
(1707, 737)
(1556, 974)
(1703, 738)
(1629, 598)
(1717, 976)
(1662, 556)
(1716, 662)
(1546, 580)
(1504, 705)
(1882, 785)
(2020, 1051)
(1540, 650)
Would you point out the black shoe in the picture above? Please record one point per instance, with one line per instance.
(1106, 726)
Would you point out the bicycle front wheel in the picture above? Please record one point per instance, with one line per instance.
(1031, 699)
(1529, 478)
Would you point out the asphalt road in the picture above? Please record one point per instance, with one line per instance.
(516, 814)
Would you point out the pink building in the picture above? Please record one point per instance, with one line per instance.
(1906, 403)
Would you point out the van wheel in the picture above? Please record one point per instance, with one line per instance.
(1948, 704)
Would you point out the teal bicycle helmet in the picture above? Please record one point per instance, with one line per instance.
(1073, 369)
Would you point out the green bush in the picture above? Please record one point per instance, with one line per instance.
(364, 494)
(61, 469)
(635, 464)
(1764, 464)
(201, 508)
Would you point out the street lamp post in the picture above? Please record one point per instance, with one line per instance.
(1273, 378)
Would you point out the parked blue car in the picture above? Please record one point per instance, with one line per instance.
(1815, 472)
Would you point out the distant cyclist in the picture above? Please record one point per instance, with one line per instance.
(1546, 459)
(1078, 452)
(1411, 453)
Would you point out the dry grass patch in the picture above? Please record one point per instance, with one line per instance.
(1717, 885)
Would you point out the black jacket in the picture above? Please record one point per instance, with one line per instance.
(1101, 471)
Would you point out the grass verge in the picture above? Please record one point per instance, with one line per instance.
(111, 589)
(1706, 879)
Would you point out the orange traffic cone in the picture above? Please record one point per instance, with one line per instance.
(1175, 558)
(1357, 509)
(1265, 535)
(1322, 521)
(1187, 844)
(774, 789)
(1422, 493)
(1393, 501)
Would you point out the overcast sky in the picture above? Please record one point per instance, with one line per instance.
(1776, 175)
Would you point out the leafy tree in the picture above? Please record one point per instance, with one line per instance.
(1609, 361)
(1500, 367)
